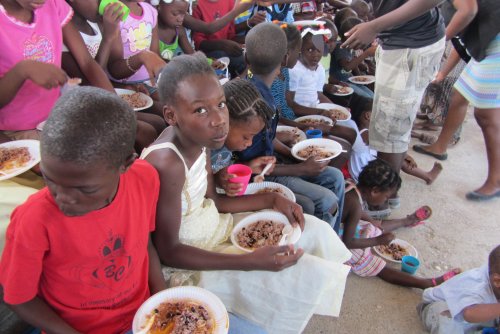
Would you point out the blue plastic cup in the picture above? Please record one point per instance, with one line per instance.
(409, 264)
(314, 133)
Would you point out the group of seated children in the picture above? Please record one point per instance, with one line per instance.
(110, 229)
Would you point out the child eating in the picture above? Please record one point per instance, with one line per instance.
(78, 257)
(171, 33)
(377, 182)
(318, 183)
(191, 233)
(466, 303)
(30, 63)
(248, 114)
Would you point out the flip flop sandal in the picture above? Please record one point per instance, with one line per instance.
(422, 150)
(450, 274)
(422, 213)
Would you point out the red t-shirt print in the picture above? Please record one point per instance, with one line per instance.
(115, 265)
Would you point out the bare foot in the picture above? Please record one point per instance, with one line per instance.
(433, 173)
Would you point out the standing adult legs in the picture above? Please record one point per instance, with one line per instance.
(455, 117)
(489, 121)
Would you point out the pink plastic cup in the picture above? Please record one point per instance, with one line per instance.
(243, 174)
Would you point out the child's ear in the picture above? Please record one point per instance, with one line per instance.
(496, 280)
(169, 115)
(367, 115)
(284, 62)
(128, 162)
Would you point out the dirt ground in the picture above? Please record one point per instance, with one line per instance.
(460, 233)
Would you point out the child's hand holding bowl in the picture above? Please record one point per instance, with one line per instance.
(274, 258)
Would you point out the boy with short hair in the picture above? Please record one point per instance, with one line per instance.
(466, 303)
(78, 257)
(314, 181)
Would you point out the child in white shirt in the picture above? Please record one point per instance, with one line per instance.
(466, 303)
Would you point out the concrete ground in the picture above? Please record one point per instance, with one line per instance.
(460, 233)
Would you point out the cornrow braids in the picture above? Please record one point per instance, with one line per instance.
(379, 174)
(244, 102)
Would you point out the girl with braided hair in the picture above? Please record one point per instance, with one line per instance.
(377, 182)
(276, 287)
(248, 114)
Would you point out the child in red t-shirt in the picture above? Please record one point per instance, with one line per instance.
(219, 44)
(78, 257)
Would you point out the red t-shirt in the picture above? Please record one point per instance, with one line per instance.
(92, 270)
(208, 11)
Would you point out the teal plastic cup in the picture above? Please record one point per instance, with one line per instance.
(105, 3)
(409, 264)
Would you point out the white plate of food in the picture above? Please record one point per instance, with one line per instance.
(314, 120)
(270, 187)
(338, 112)
(343, 90)
(395, 251)
(262, 229)
(362, 79)
(321, 148)
(298, 134)
(158, 312)
(138, 101)
(17, 157)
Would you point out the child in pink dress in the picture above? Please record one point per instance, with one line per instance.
(30, 74)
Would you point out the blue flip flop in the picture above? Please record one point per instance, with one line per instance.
(478, 197)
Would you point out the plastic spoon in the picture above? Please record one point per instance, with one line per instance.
(148, 325)
(260, 178)
(285, 235)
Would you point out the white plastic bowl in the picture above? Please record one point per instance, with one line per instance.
(326, 144)
(146, 99)
(263, 215)
(255, 187)
(192, 293)
(329, 106)
(314, 118)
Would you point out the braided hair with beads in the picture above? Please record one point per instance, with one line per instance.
(379, 174)
(244, 102)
